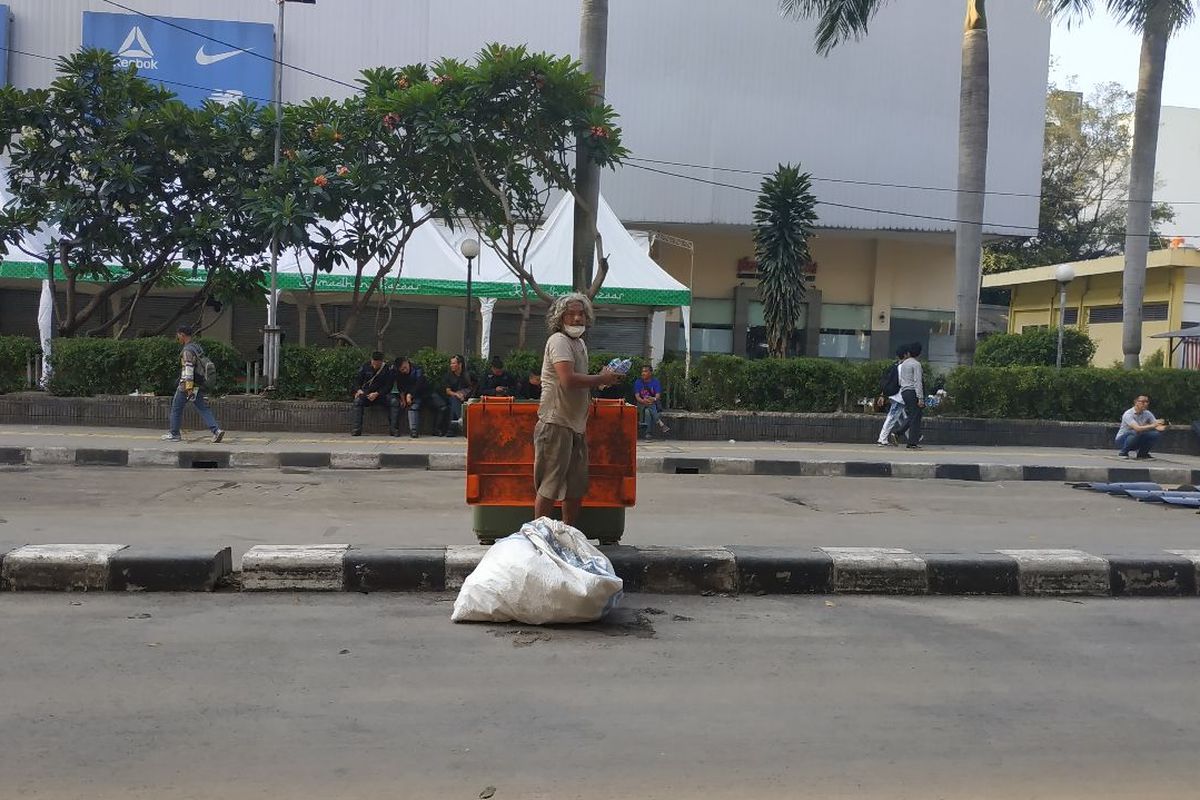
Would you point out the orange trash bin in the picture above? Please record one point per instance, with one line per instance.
(499, 483)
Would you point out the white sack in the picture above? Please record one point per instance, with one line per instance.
(545, 573)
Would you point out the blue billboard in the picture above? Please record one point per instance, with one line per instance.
(198, 59)
(5, 38)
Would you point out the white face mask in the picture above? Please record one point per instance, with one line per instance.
(574, 331)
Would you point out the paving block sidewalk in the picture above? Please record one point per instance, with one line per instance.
(133, 447)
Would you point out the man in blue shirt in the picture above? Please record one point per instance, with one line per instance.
(647, 393)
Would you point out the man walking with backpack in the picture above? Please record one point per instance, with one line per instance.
(912, 391)
(196, 370)
(889, 395)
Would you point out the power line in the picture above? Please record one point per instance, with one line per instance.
(865, 209)
(917, 187)
(215, 40)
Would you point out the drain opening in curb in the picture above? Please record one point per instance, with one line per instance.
(205, 464)
(687, 470)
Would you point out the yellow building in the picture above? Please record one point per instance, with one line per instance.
(1171, 302)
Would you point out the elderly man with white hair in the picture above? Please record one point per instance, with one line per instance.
(560, 455)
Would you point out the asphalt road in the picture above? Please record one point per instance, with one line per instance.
(346, 696)
(246, 507)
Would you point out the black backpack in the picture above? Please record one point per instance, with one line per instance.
(889, 382)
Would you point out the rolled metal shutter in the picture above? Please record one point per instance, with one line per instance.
(506, 327)
(622, 335)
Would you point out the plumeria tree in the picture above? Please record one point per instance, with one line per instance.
(354, 185)
(131, 186)
(785, 217)
(512, 118)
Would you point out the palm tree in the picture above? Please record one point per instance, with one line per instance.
(593, 57)
(784, 217)
(838, 20)
(1157, 21)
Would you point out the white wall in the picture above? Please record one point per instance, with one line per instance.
(716, 83)
(1177, 169)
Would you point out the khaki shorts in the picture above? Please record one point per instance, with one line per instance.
(560, 462)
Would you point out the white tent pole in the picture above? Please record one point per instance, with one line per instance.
(487, 305)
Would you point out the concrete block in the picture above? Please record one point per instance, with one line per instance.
(58, 567)
(731, 466)
(823, 469)
(1040, 473)
(1001, 472)
(971, 573)
(1061, 572)
(312, 567)
(650, 464)
(101, 457)
(12, 455)
(169, 568)
(404, 460)
(913, 469)
(1127, 475)
(782, 570)
(153, 458)
(314, 460)
(1085, 474)
(868, 469)
(51, 455)
(396, 569)
(354, 460)
(675, 570)
(461, 561)
(242, 459)
(1151, 575)
(958, 472)
(1171, 476)
(1192, 556)
(448, 462)
(877, 570)
(771, 466)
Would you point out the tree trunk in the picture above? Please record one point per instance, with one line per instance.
(1147, 110)
(972, 179)
(523, 327)
(593, 55)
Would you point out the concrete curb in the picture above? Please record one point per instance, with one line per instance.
(117, 567)
(656, 570)
(667, 465)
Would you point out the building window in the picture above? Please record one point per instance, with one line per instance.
(756, 332)
(712, 326)
(933, 330)
(1102, 314)
(1031, 328)
(845, 332)
(1154, 312)
(1071, 316)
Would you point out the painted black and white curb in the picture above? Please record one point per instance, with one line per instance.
(456, 462)
(663, 570)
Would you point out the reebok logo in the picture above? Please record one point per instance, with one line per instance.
(136, 50)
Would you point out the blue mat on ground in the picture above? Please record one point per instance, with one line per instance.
(1122, 488)
(1148, 496)
(1185, 501)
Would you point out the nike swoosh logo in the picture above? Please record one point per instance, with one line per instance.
(204, 59)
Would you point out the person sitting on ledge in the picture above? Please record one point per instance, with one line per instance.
(498, 382)
(411, 389)
(1139, 429)
(373, 386)
(531, 387)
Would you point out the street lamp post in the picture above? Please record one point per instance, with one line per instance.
(470, 249)
(272, 330)
(1064, 275)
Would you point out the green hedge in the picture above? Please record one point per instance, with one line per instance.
(87, 367)
(15, 352)
(1078, 393)
(1035, 348)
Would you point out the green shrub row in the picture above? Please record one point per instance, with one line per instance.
(88, 367)
(1035, 348)
(15, 352)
